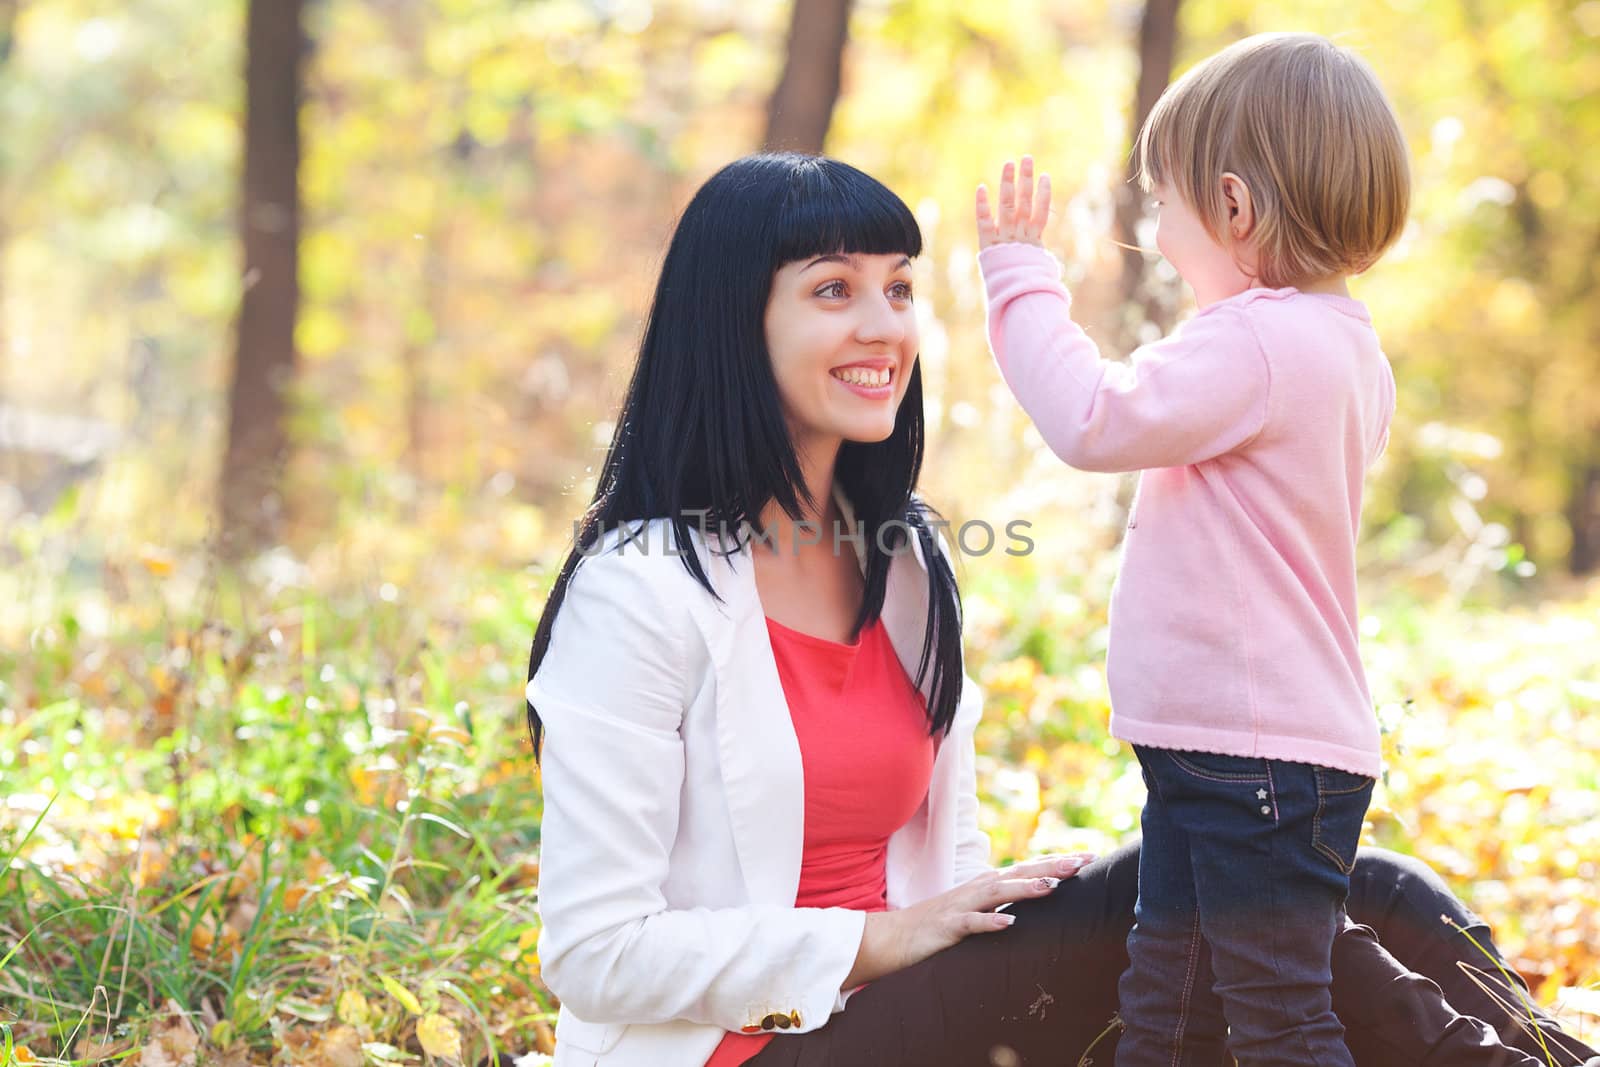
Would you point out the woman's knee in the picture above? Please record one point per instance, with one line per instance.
(1094, 905)
(1377, 876)
(1388, 880)
(1403, 898)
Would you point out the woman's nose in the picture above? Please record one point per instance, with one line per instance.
(881, 323)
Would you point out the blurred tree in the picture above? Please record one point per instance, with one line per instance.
(491, 184)
(269, 228)
(802, 105)
(8, 25)
(1508, 341)
(1158, 40)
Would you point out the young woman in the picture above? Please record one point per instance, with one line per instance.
(760, 838)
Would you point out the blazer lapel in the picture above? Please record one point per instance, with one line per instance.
(757, 746)
(759, 753)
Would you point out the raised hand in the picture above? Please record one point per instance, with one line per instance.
(1023, 211)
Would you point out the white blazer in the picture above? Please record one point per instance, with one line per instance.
(674, 808)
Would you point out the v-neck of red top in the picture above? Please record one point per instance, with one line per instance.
(867, 758)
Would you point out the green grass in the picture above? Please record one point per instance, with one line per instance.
(252, 802)
(298, 810)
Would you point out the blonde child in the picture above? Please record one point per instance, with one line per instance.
(1280, 170)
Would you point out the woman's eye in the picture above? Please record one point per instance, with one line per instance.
(834, 289)
(901, 290)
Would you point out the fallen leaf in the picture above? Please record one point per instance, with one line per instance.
(237, 1055)
(172, 1043)
(353, 1008)
(91, 1051)
(210, 939)
(439, 1037)
(407, 999)
(339, 1047)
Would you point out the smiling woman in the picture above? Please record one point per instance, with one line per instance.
(779, 369)
(760, 842)
(851, 316)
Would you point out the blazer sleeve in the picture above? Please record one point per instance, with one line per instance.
(623, 661)
(972, 844)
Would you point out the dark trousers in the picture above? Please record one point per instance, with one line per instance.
(1243, 876)
(1044, 992)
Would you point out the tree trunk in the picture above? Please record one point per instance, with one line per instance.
(421, 341)
(1158, 40)
(269, 227)
(1583, 517)
(8, 26)
(802, 106)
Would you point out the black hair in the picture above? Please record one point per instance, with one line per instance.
(702, 432)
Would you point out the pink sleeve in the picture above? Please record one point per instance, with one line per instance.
(1184, 399)
(1385, 416)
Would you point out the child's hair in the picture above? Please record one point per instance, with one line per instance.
(1305, 125)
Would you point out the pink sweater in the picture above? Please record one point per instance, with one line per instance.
(1233, 621)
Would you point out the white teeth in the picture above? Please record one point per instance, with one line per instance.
(872, 379)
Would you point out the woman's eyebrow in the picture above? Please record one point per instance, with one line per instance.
(834, 257)
(850, 261)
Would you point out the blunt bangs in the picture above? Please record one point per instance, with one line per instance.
(832, 207)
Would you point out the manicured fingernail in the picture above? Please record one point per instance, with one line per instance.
(1069, 866)
(1006, 920)
(1048, 882)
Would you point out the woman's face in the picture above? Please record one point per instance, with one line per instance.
(843, 338)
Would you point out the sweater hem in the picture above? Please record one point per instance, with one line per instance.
(1319, 753)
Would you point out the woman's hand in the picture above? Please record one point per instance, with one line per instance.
(1023, 212)
(894, 940)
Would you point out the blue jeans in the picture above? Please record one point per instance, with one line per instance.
(1243, 877)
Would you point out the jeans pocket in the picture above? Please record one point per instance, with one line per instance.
(1214, 767)
(1342, 800)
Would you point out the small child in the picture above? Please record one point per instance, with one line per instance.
(1280, 170)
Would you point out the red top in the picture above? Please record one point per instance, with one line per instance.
(867, 760)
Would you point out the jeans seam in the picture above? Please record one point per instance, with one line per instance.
(1216, 776)
(1185, 999)
(1338, 860)
(1277, 963)
(1323, 790)
(1316, 826)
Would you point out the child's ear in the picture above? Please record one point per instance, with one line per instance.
(1241, 209)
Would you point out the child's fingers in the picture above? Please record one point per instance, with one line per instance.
(1041, 209)
(1025, 194)
(987, 234)
(1008, 200)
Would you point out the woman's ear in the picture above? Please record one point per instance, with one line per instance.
(1241, 209)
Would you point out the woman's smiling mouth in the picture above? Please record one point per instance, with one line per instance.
(868, 381)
